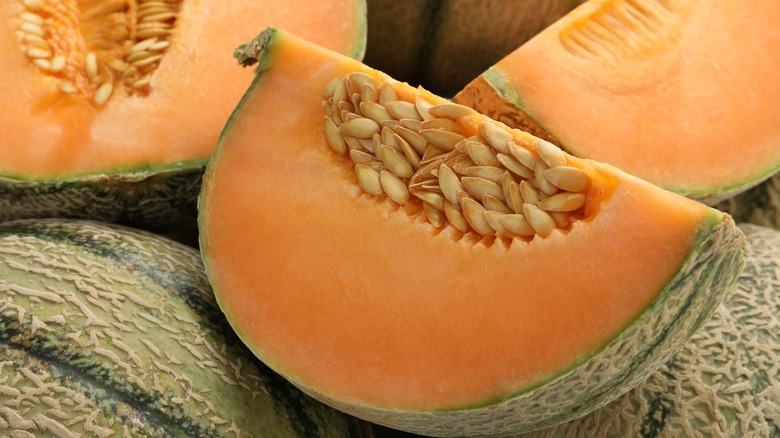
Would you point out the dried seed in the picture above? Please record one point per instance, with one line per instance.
(38, 53)
(333, 137)
(568, 178)
(505, 182)
(33, 5)
(90, 65)
(366, 144)
(408, 151)
(359, 128)
(493, 218)
(552, 155)
(540, 220)
(443, 124)
(394, 187)
(422, 107)
(395, 161)
(147, 61)
(158, 17)
(432, 153)
(560, 219)
(496, 136)
(515, 166)
(436, 200)
(362, 79)
(359, 157)
(517, 224)
(330, 87)
(402, 110)
(158, 46)
(58, 63)
(378, 166)
(353, 144)
(523, 155)
(562, 202)
(449, 183)
(368, 93)
(66, 87)
(32, 29)
(340, 92)
(346, 116)
(413, 124)
(454, 217)
(462, 163)
(492, 203)
(481, 154)
(143, 45)
(31, 17)
(152, 32)
(487, 172)
(529, 192)
(450, 110)
(345, 105)
(444, 140)
(415, 140)
(387, 94)
(368, 179)
(435, 216)
(474, 214)
(102, 94)
(426, 171)
(479, 187)
(515, 199)
(356, 100)
(545, 186)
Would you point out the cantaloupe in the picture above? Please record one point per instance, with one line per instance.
(725, 381)
(443, 44)
(416, 272)
(107, 331)
(682, 93)
(110, 109)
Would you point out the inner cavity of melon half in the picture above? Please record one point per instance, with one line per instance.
(93, 48)
(458, 167)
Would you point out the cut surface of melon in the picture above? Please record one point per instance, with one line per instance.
(680, 93)
(92, 88)
(384, 309)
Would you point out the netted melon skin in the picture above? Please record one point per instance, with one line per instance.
(683, 306)
(724, 382)
(108, 331)
(759, 205)
(144, 199)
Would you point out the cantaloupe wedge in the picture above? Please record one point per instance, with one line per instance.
(682, 93)
(415, 272)
(110, 110)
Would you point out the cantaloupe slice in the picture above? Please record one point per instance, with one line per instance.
(682, 93)
(419, 275)
(111, 109)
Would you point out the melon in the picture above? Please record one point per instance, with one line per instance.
(681, 93)
(724, 382)
(108, 331)
(443, 44)
(111, 109)
(419, 265)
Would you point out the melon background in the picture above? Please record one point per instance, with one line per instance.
(442, 45)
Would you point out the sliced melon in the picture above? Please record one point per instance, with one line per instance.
(682, 93)
(419, 275)
(111, 109)
(724, 382)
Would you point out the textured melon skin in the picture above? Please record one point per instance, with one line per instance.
(759, 205)
(106, 331)
(725, 381)
(145, 199)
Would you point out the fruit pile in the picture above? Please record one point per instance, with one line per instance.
(560, 249)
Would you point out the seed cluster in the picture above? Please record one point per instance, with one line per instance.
(496, 181)
(122, 44)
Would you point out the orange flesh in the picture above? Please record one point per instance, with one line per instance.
(346, 293)
(46, 133)
(687, 100)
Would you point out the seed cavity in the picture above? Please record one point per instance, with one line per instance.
(475, 175)
(95, 49)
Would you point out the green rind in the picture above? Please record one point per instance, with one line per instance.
(709, 272)
(513, 111)
(107, 330)
(148, 199)
(760, 205)
(724, 382)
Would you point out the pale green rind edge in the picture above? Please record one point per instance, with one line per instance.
(706, 195)
(690, 297)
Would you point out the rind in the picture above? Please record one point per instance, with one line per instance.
(725, 381)
(148, 199)
(681, 308)
(104, 329)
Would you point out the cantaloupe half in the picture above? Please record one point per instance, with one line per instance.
(452, 291)
(110, 110)
(682, 93)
